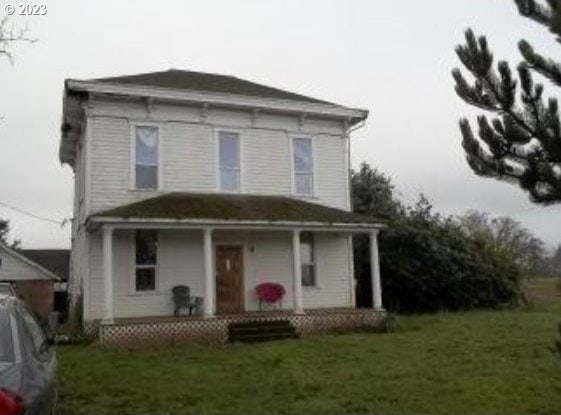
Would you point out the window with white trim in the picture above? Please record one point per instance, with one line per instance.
(307, 259)
(303, 164)
(146, 241)
(146, 163)
(229, 161)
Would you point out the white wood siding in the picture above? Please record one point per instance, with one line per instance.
(331, 174)
(266, 162)
(78, 281)
(93, 295)
(111, 164)
(267, 258)
(189, 156)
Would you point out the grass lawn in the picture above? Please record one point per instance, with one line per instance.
(481, 362)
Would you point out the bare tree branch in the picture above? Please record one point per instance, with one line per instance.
(9, 35)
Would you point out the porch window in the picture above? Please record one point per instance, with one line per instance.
(303, 164)
(146, 259)
(307, 259)
(146, 141)
(229, 159)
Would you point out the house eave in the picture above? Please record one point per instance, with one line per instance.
(351, 115)
(71, 127)
(95, 222)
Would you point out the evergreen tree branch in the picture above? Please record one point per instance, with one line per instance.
(523, 144)
(546, 67)
(548, 16)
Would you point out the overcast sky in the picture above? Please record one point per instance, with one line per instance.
(393, 58)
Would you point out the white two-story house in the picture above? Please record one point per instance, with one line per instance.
(211, 182)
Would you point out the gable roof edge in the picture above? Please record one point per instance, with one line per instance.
(28, 261)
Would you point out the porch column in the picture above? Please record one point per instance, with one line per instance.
(297, 273)
(375, 272)
(351, 270)
(107, 247)
(209, 274)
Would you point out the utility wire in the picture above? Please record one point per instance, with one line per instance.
(61, 223)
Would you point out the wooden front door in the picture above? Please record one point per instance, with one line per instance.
(229, 279)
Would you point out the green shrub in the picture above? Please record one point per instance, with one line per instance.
(74, 327)
(439, 268)
(429, 262)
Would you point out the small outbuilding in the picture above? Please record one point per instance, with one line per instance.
(32, 282)
(58, 262)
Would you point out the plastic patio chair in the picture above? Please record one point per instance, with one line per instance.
(182, 299)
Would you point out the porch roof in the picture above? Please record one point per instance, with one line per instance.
(234, 209)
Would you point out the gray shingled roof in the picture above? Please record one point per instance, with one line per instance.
(234, 207)
(206, 82)
(55, 260)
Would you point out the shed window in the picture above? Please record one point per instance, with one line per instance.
(146, 259)
(303, 162)
(146, 157)
(307, 259)
(229, 159)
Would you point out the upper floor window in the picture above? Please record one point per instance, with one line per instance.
(229, 161)
(303, 163)
(146, 163)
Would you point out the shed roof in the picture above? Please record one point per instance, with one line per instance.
(55, 260)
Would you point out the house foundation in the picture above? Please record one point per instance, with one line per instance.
(214, 331)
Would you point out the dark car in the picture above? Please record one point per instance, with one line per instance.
(27, 362)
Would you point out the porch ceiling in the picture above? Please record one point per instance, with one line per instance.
(212, 208)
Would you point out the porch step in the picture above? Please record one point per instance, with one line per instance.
(259, 331)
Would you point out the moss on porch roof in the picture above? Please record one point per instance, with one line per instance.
(233, 207)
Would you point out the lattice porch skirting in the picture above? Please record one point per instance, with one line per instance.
(162, 331)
